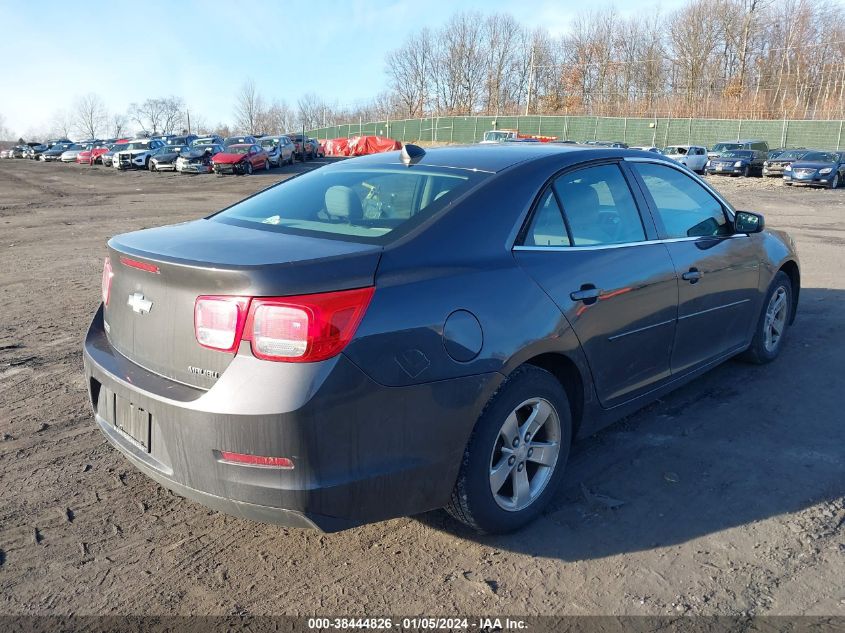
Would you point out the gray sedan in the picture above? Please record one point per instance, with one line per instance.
(432, 328)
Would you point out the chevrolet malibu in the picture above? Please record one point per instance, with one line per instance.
(424, 329)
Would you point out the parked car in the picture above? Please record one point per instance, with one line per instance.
(239, 140)
(240, 158)
(744, 162)
(108, 156)
(819, 169)
(648, 148)
(208, 140)
(55, 152)
(279, 150)
(693, 156)
(164, 158)
(181, 141)
(35, 151)
(328, 352)
(774, 165)
(137, 154)
(56, 141)
(93, 155)
(314, 146)
(302, 151)
(198, 158)
(728, 146)
(6, 153)
(70, 154)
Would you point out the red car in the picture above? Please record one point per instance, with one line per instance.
(240, 159)
(94, 155)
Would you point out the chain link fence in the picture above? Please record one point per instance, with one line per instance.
(659, 132)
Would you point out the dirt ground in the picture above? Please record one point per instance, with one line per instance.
(733, 487)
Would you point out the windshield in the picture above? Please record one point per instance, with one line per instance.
(179, 140)
(203, 141)
(235, 140)
(118, 146)
(75, 147)
(723, 147)
(363, 204)
(819, 157)
(675, 149)
(746, 154)
(237, 149)
(791, 154)
(139, 145)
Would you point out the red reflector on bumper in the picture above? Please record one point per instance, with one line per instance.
(132, 263)
(256, 460)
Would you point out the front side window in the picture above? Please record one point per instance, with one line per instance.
(685, 208)
(360, 204)
(599, 207)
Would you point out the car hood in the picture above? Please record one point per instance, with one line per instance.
(134, 151)
(225, 157)
(194, 153)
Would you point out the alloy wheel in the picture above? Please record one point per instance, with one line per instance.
(525, 454)
(775, 321)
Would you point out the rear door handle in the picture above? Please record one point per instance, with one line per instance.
(588, 294)
(692, 275)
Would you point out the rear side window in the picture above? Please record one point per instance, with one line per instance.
(685, 208)
(360, 204)
(599, 207)
(547, 227)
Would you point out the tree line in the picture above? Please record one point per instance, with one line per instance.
(710, 58)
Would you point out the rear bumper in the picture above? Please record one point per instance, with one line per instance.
(362, 452)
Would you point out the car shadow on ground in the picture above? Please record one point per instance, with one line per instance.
(738, 445)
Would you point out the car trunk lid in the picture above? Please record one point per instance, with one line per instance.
(159, 273)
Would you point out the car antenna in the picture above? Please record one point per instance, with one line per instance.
(412, 154)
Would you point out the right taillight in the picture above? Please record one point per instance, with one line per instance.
(299, 329)
(219, 321)
(305, 328)
(105, 284)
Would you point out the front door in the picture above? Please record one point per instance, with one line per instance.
(718, 270)
(589, 249)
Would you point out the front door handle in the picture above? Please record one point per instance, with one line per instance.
(588, 293)
(692, 275)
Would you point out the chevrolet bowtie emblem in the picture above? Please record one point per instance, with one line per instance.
(138, 304)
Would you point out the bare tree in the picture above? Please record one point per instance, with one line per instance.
(119, 124)
(249, 108)
(311, 110)
(5, 134)
(61, 124)
(90, 116)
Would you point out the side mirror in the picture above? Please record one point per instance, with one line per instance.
(748, 222)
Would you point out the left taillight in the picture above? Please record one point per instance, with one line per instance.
(105, 285)
(219, 321)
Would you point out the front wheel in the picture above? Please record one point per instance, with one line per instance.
(248, 169)
(746, 171)
(834, 183)
(516, 455)
(772, 323)
(266, 165)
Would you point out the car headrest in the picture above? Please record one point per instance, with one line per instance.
(343, 203)
(581, 197)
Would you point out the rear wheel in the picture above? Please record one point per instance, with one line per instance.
(516, 454)
(773, 322)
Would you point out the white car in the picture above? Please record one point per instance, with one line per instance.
(137, 154)
(693, 156)
(280, 150)
(70, 154)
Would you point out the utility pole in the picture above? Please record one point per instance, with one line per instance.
(188, 113)
(530, 77)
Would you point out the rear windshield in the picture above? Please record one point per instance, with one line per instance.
(359, 204)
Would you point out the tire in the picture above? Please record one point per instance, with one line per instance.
(746, 171)
(151, 165)
(763, 349)
(473, 501)
(248, 169)
(835, 182)
(266, 165)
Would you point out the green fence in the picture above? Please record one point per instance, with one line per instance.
(633, 131)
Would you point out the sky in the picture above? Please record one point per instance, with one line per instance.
(56, 51)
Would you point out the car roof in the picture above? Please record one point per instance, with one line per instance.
(494, 157)
(241, 144)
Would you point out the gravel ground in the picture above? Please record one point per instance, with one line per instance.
(733, 487)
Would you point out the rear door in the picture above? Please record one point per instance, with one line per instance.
(718, 270)
(588, 247)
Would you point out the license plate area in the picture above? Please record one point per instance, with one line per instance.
(133, 422)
